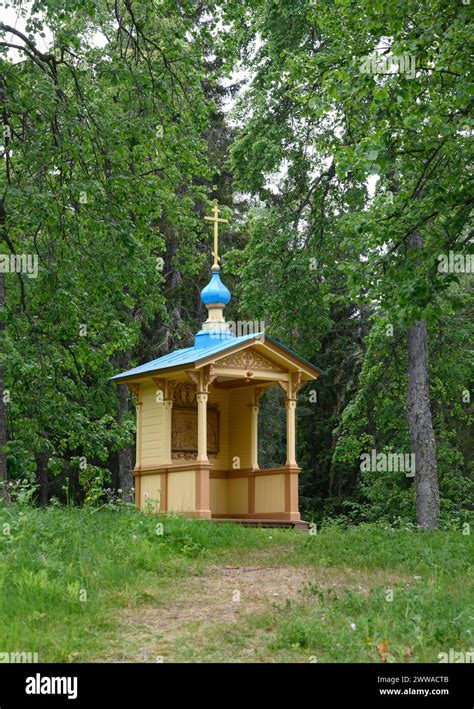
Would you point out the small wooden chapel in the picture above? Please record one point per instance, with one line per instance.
(197, 421)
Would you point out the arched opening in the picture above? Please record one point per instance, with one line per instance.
(272, 429)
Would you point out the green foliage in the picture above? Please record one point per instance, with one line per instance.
(374, 419)
(117, 135)
(98, 184)
(346, 160)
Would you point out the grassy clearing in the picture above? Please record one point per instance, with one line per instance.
(85, 585)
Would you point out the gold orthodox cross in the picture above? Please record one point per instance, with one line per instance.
(217, 220)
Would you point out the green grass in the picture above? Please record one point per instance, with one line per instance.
(68, 576)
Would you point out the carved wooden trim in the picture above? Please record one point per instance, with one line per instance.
(296, 383)
(188, 455)
(184, 438)
(195, 377)
(184, 394)
(203, 378)
(208, 376)
(292, 387)
(248, 359)
(284, 385)
(165, 385)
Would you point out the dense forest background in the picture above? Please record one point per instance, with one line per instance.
(344, 165)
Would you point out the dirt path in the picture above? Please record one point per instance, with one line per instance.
(181, 613)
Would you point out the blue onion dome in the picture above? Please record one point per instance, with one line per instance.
(215, 291)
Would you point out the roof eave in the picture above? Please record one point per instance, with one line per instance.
(201, 360)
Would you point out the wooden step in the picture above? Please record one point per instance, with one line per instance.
(300, 525)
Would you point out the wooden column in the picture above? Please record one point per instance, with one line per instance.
(290, 431)
(138, 436)
(291, 476)
(138, 451)
(202, 470)
(202, 426)
(202, 380)
(291, 389)
(291, 495)
(167, 417)
(254, 408)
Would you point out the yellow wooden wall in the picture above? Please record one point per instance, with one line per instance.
(182, 491)
(240, 423)
(218, 496)
(150, 492)
(269, 493)
(152, 419)
(237, 496)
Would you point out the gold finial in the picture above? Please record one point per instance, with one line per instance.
(217, 220)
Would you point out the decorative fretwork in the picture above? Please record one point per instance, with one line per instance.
(167, 386)
(285, 386)
(248, 359)
(187, 455)
(296, 382)
(202, 378)
(184, 394)
(291, 388)
(194, 377)
(184, 431)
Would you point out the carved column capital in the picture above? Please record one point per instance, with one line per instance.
(284, 385)
(167, 386)
(202, 378)
(195, 377)
(296, 384)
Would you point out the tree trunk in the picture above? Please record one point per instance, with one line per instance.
(3, 217)
(419, 421)
(125, 464)
(124, 457)
(3, 412)
(42, 478)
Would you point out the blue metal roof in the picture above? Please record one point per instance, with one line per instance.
(190, 355)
